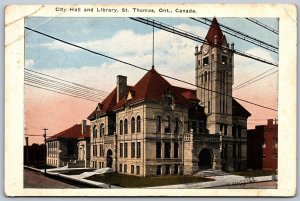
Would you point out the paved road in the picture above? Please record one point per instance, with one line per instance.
(34, 179)
(260, 185)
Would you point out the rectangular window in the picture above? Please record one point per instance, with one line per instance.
(167, 149)
(125, 150)
(167, 169)
(175, 169)
(101, 150)
(120, 167)
(158, 170)
(132, 149)
(138, 154)
(94, 150)
(176, 149)
(158, 149)
(125, 168)
(225, 129)
(132, 169)
(121, 149)
(137, 170)
(224, 60)
(205, 61)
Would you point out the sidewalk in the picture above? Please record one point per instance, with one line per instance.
(219, 181)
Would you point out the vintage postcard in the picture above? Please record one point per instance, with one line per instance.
(139, 100)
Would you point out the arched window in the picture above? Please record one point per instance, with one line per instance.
(94, 132)
(138, 122)
(132, 125)
(176, 129)
(208, 76)
(125, 126)
(121, 127)
(158, 124)
(168, 125)
(202, 78)
(102, 130)
(205, 77)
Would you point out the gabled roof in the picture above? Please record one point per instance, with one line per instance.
(153, 86)
(213, 31)
(73, 132)
(239, 110)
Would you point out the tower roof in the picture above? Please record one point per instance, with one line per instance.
(215, 32)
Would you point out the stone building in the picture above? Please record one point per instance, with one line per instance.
(155, 128)
(70, 147)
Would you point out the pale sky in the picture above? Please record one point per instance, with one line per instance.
(131, 41)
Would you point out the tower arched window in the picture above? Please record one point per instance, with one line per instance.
(201, 78)
(125, 126)
(205, 77)
(95, 132)
(158, 124)
(208, 76)
(121, 127)
(138, 122)
(132, 125)
(102, 129)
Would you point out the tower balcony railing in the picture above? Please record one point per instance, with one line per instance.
(204, 137)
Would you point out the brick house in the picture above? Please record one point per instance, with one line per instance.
(263, 146)
(70, 147)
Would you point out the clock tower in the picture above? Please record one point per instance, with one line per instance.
(214, 76)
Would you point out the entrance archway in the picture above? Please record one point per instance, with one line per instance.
(109, 158)
(205, 159)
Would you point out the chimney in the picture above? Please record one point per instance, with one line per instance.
(196, 49)
(270, 122)
(232, 46)
(121, 86)
(83, 127)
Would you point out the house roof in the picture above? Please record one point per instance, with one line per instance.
(239, 110)
(215, 30)
(152, 86)
(73, 132)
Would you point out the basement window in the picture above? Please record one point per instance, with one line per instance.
(205, 61)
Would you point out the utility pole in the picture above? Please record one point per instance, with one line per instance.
(45, 154)
(27, 155)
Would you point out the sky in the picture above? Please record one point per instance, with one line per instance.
(131, 41)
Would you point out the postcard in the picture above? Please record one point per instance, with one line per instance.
(139, 100)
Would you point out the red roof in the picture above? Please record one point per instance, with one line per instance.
(213, 31)
(153, 86)
(239, 110)
(72, 132)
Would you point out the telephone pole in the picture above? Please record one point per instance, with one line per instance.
(45, 154)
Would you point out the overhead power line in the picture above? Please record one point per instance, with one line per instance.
(61, 85)
(196, 38)
(138, 67)
(262, 25)
(238, 34)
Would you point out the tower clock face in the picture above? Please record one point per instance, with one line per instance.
(205, 49)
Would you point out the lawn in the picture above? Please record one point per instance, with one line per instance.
(129, 181)
(73, 172)
(256, 173)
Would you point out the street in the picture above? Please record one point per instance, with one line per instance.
(34, 179)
